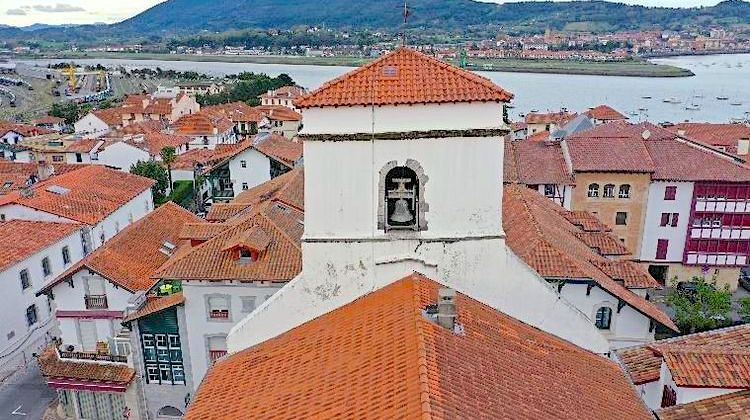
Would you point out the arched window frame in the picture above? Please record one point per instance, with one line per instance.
(423, 206)
(593, 191)
(609, 191)
(624, 191)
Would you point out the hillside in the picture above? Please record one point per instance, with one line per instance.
(195, 15)
(190, 17)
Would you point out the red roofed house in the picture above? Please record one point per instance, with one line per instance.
(123, 152)
(90, 299)
(284, 96)
(387, 150)
(280, 120)
(104, 200)
(32, 254)
(697, 376)
(99, 122)
(731, 138)
(164, 107)
(50, 122)
(415, 349)
(206, 129)
(603, 114)
(246, 119)
(538, 122)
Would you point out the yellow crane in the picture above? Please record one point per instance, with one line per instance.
(102, 80)
(70, 71)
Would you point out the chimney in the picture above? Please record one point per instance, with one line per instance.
(44, 170)
(681, 132)
(446, 308)
(743, 146)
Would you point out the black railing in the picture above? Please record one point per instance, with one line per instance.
(82, 355)
(96, 301)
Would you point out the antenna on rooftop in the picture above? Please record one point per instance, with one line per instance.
(406, 18)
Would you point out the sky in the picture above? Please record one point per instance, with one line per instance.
(55, 12)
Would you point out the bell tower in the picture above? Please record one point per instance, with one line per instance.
(404, 173)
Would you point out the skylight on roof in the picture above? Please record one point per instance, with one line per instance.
(56, 189)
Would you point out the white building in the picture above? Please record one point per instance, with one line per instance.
(98, 123)
(403, 204)
(124, 152)
(34, 253)
(284, 96)
(206, 129)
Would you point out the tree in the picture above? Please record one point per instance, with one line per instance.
(155, 171)
(168, 156)
(744, 309)
(65, 110)
(701, 308)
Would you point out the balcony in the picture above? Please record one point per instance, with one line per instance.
(715, 259)
(91, 356)
(723, 206)
(96, 301)
(215, 355)
(720, 233)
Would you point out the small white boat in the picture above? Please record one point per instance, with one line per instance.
(735, 103)
(693, 107)
(643, 109)
(671, 100)
(646, 97)
(722, 98)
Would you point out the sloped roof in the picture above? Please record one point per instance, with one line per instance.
(51, 366)
(725, 135)
(133, 255)
(540, 235)
(202, 124)
(25, 130)
(288, 92)
(404, 76)
(49, 119)
(536, 162)
(605, 113)
(734, 406)
(707, 366)
(380, 357)
(279, 261)
(93, 193)
(156, 304)
(612, 147)
(279, 148)
(678, 161)
(236, 111)
(643, 362)
(558, 118)
(279, 113)
(21, 239)
(111, 116)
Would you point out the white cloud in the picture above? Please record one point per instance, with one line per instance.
(58, 8)
(16, 12)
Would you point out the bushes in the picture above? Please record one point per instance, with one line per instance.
(181, 194)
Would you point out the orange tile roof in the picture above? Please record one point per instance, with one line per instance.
(51, 366)
(586, 221)
(111, 116)
(603, 243)
(612, 147)
(725, 135)
(156, 304)
(133, 255)
(25, 130)
(380, 357)
(605, 113)
(557, 118)
(236, 111)
(631, 274)
(287, 188)
(712, 366)
(288, 92)
(202, 124)
(540, 235)
(279, 148)
(49, 119)
(405, 76)
(278, 113)
(734, 406)
(643, 363)
(82, 146)
(141, 127)
(14, 175)
(280, 260)
(94, 193)
(536, 162)
(153, 143)
(21, 238)
(201, 231)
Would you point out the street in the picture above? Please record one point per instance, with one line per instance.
(25, 395)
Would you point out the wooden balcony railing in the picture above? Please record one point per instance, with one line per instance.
(82, 355)
(96, 301)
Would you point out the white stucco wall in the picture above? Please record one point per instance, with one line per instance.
(383, 119)
(566, 191)
(342, 185)
(90, 126)
(256, 172)
(15, 211)
(200, 326)
(628, 327)
(139, 206)
(122, 156)
(15, 335)
(652, 231)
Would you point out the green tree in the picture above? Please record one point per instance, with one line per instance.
(155, 171)
(168, 156)
(744, 309)
(704, 308)
(65, 110)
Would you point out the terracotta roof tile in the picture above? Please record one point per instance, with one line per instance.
(156, 304)
(677, 161)
(643, 363)
(712, 366)
(287, 188)
(141, 127)
(51, 366)
(201, 231)
(613, 147)
(111, 116)
(278, 113)
(605, 113)
(380, 357)
(279, 148)
(724, 135)
(286, 92)
(236, 111)
(25, 130)
(630, 273)
(49, 119)
(603, 243)
(734, 406)
(133, 255)
(21, 238)
(404, 76)
(537, 162)
(557, 118)
(93, 193)
(202, 124)
(539, 234)
(14, 175)
(280, 260)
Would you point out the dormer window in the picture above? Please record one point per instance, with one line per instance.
(246, 246)
(246, 255)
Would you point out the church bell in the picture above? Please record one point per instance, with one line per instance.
(401, 213)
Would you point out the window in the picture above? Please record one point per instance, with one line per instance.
(162, 355)
(217, 348)
(102, 238)
(245, 186)
(57, 158)
(25, 280)
(31, 315)
(218, 307)
(675, 219)
(401, 199)
(243, 163)
(46, 268)
(609, 191)
(66, 255)
(603, 318)
(670, 193)
(624, 191)
(593, 190)
(664, 219)
(248, 304)
(79, 158)
(549, 190)
(662, 246)
(117, 226)
(621, 218)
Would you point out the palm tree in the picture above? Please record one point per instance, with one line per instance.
(168, 156)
